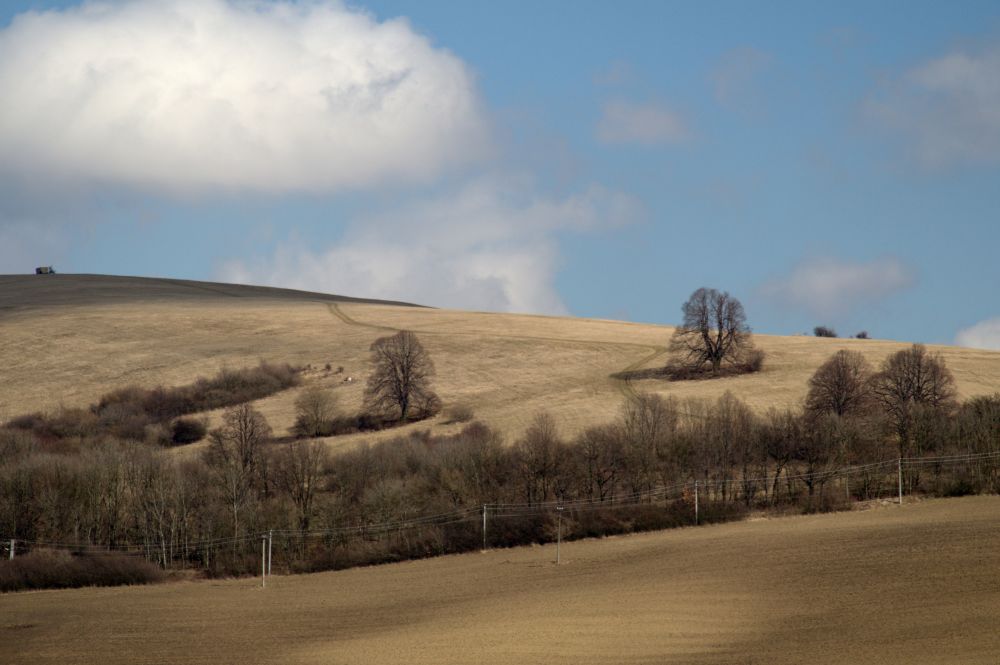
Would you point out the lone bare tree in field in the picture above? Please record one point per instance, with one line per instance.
(401, 378)
(314, 409)
(842, 385)
(714, 332)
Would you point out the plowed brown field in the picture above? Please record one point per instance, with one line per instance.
(913, 584)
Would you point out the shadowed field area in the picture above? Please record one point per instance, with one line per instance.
(917, 584)
(70, 338)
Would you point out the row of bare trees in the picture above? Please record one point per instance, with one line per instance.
(132, 495)
(202, 509)
(911, 385)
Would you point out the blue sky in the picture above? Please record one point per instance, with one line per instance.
(827, 163)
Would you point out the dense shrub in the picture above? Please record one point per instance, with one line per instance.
(824, 331)
(227, 388)
(63, 424)
(53, 569)
(861, 335)
(753, 361)
(750, 361)
(188, 430)
(139, 414)
(459, 413)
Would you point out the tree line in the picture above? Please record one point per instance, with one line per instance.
(207, 510)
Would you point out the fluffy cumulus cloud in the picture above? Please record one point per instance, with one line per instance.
(983, 335)
(189, 95)
(947, 110)
(644, 124)
(489, 246)
(829, 287)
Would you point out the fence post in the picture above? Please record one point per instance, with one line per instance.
(12, 549)
(270, 536)
(484, 526)
(696, 503)
(263, 561)
(900, 462)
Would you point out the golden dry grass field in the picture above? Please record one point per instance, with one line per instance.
(917, 584)
(68, 338)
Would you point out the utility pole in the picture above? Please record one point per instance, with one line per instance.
(263, 561)
(559, 533)
(900, 462)
(484, 527)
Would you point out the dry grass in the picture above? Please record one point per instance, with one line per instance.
(69, 339)
(915, 584)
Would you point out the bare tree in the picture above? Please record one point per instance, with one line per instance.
(401, 375)
(817, 449)
(913, 378)
(647, 424)
(780, 433)
(842, 385)
(314, 409)
(602, 459)
(714, 332)
(540, 457)
(234, 455)
(300, 468)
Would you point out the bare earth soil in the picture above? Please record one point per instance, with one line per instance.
(912, 584)
(68, 338)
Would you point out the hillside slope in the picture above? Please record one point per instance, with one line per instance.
(66, 339)
(911, 584)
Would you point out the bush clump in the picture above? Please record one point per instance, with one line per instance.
(55, 569)
(459, 413)
(227, 388)
(141, 414)
(188, 430)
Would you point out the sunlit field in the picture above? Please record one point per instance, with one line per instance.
(68, 339)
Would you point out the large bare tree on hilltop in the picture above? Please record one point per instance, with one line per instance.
(401, 377)
(714, 333)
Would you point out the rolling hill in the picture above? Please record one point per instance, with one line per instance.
(69, 338)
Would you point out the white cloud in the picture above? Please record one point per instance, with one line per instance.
(645, 124)
(488, 246)
(983, 335)
(947, 110)
(829, 287)
(186, 95)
